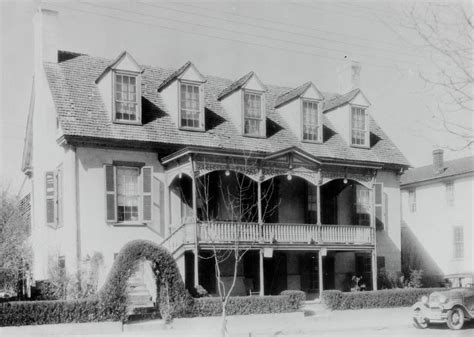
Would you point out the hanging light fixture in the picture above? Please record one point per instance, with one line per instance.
(180, 175)
(289, 176)
(227, 173)
(345, 181)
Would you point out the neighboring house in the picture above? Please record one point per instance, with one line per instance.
(118, 151)
(437, 220)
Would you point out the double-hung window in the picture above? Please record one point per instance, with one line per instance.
(311, 122)
(450, 194)
(128, 193)
(458, 241)
(359, 127)
(363, 209)
(253, 114)
(127, 98)
(191, 107)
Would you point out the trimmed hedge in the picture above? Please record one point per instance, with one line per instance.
(296, 298)
(51, 312)
(389, 298)
(243, 305)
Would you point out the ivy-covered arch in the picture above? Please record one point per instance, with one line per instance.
(174, 299)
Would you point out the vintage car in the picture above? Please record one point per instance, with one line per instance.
(453, 306)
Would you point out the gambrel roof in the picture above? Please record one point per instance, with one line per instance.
(83, 117)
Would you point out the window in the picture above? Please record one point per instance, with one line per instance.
(54, 197)
(450, 194)
(127, 98)
(253, 114)
(190, 106)
(312, 204)
(412, 200)
(128, 193)
(458, 236)
(359, 127)
(311, 122)
(362, 209)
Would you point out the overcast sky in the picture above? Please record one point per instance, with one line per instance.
(286, 43)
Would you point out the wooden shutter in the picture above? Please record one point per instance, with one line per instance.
(367, 131)
(50, 188)
(147, 175)
(110, 193)
(320, 121)
(379, 206)
(59, 201)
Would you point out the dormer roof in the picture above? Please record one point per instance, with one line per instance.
(350, 97)
(124, 60)
(240, 83)
(296, 93)
(178, 73)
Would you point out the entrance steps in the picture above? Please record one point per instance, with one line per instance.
(315, 308)
(140, 304)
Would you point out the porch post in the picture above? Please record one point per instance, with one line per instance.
(259, 205)
(196, 247)
(374, 270)
(318, 204)
(320, 274)
(261, 273)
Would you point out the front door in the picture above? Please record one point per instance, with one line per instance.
(275, 278)
(328, 272)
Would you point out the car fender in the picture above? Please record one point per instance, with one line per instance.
(451, 304)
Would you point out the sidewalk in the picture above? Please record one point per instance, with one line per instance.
(318, 322)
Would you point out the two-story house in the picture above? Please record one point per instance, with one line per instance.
(437, 220)
(118, 151)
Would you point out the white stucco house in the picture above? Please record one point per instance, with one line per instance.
(437, 220)
(117, 151)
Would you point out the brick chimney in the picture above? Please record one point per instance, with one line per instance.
(438, 161)
(46, 37)
(349, 76)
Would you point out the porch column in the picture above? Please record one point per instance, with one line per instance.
(259, 205)
(196, 245)
(318, 204)
(374, 269)
(261, 273)
(320, 274)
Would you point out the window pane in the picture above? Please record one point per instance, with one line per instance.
(126, 98)
(190, 106)
(310, 121)
(127, 193)
(359, 127)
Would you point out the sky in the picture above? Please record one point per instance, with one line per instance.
(285, 42)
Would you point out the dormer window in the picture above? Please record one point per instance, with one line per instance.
(191, 108)
(359, 127)
(253, 114)
(127, 107)
(312, 121)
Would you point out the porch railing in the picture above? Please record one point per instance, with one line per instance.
(223, 232)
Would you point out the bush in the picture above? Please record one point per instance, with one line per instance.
(296, 297)
(337, 300)
(51, 312)
(244, 305)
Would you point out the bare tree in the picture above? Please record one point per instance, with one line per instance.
(446, 32)
(239, 199)
(15, 253)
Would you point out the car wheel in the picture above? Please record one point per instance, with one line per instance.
(455, 318)
(418, 321)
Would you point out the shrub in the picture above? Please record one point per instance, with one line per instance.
(243, 305)
(175, 300)
(296, 297)
(51, 312)
(414, 280)
(389, 280)
(337, 300)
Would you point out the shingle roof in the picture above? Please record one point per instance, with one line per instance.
(82, 113)
(339, 100)
(174, 76)
(451, 168)
(292, 94)
(236, 85)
